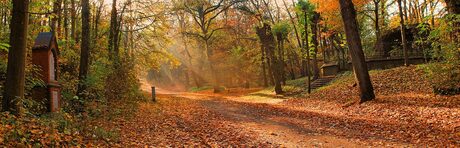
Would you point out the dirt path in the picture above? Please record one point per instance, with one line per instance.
(220, 120)
(284, 126)
(270, 129)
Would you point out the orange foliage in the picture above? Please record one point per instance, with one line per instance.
(330, 11)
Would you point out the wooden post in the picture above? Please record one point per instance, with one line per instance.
(153, 94)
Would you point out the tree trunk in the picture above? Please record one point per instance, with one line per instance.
(280, 39)
(66, 23)
(377, 20)
(291, 65)
(314, 29)
(73, 18)
(15, 74)
(453, 7)
(307, 49)
(299, 42)
(269, 65)
(268, 40)
(215, 80)
(264, 71)
(113, 28)
(85, 47)
(348, 13)
(56, 21)
(403, 34)
(383, 12)
(96, 23)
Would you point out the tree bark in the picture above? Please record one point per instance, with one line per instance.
(85, 47)
(403, 34)
(377, 20)
(314, 29)
(291, 18)
(307, 49)
(15, 74)
(96, 22)
(215, 80)
(268, 41)
(56, 21)
(348, 13)
(113, 28)
(66, 23)
(453, 7)
(73, 22)
(264, 71)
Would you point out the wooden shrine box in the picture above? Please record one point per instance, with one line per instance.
(44, 56)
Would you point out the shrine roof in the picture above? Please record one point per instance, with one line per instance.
(43, 40)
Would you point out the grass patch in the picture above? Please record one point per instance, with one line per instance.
(197, 89)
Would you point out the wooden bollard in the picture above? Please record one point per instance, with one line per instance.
(153, 94)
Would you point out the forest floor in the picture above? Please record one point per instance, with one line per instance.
(405, 114)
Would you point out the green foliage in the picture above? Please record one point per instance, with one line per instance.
(197, 89)
(107, 135)
(38, 131)
(283, 28)
(4, 47)
(444, 72)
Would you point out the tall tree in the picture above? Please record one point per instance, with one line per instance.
(268, 42)
(305, 9)
(314, 30)
(85, 46)
(204, 13)
(73, 20)
(453, 7)
(403, 34)
(56, 21)
(348, 13)
(377, 19)
(15, 74)
(113, 33)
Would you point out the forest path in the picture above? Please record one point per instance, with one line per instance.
(280, 125)
(272, 128)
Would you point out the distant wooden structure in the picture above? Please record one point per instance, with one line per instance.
(385, 56)
(391, 40)
(45, 57)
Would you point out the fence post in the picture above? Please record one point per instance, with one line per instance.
(153, 94)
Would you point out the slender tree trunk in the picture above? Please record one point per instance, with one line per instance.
(96, 22)
(348, 13)
(383, 12)
(403, 34)
(299, 42)
(407, 13)
(377, 20)
(113, 28)
(307, 49)
(85, 47)
(291, 67)
(56, 21)
(66, 22)
(264, 71)
(15, 73)
(281, 57)
(73, 22)
(269, 65)
(314, 29)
